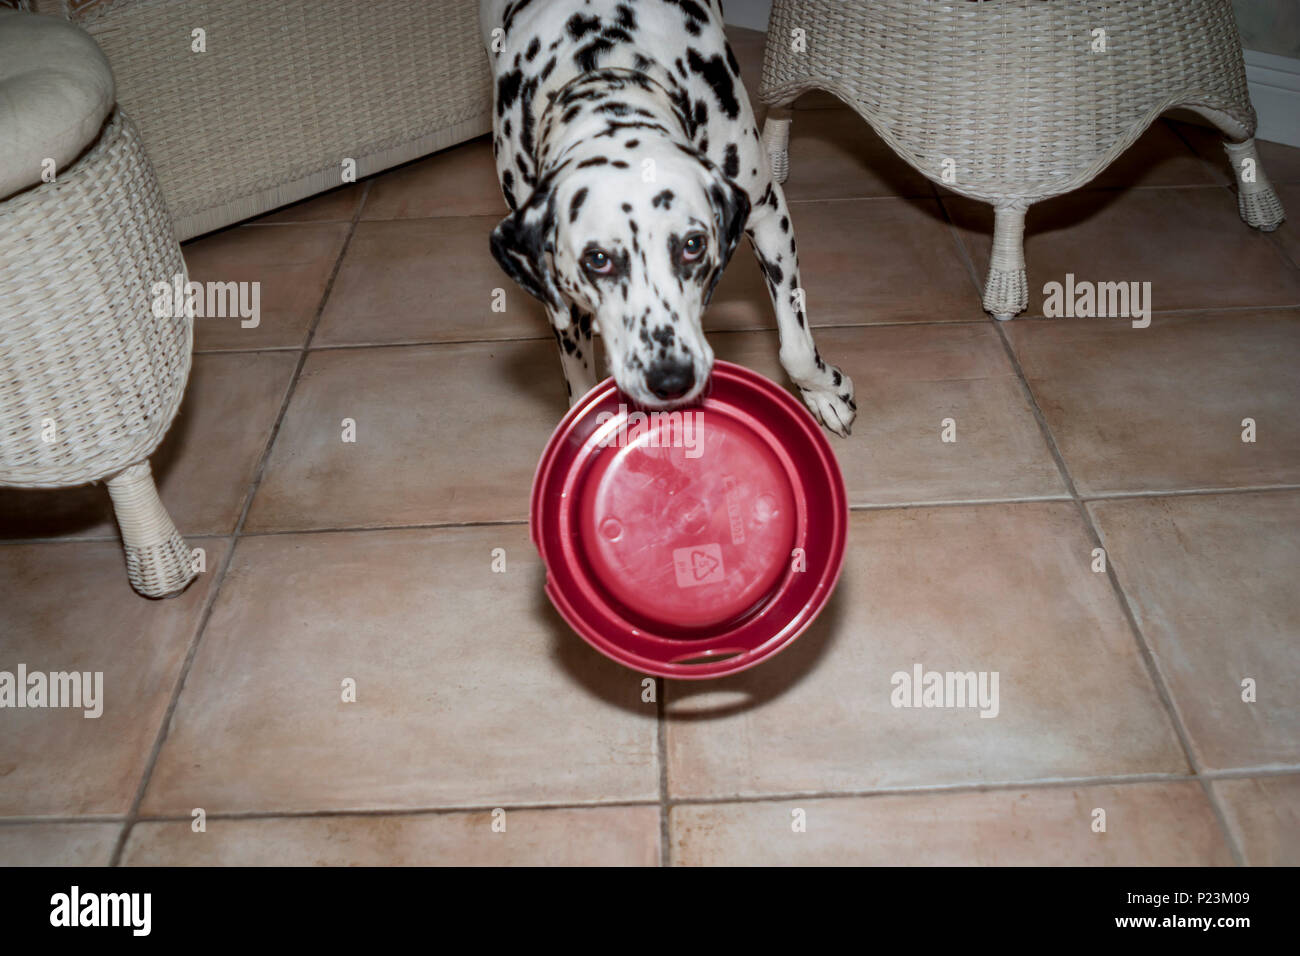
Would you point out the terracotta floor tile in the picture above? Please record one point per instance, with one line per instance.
(459, 181)
(596, 836)
(1161, 408)
(68, 607)
(337, 205)
(57, 844)
(1175, 558)
(1264, 815)
(999, 588)
(203, 467)
(443, 434)
(1160, 158)
(1147, 824)
(425, 280)
(469, 690)
(741, 300)
(908, 379)
(1288, 234)
(834, 154)
(862, 262)
(291, 264)
(1190, 244)
(748, 46)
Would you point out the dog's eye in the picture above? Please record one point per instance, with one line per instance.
(598, 261)
(694, 246)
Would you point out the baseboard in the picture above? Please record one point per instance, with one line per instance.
(1275, 90)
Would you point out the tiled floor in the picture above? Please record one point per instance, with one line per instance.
(1147, 706)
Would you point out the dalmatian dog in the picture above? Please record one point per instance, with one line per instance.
(631, 161)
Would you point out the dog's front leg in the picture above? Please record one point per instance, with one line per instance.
(573, 336)
(826, 390)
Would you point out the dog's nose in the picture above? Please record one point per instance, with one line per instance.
(670, 380)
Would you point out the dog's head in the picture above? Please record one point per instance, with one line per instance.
(639, 247)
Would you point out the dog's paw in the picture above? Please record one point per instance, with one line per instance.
(831, 401)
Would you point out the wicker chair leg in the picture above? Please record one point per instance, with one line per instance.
(1256, 201)
(157, 558)
(776, 140)
(1006, 292)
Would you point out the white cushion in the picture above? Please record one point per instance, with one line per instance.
(56, 90)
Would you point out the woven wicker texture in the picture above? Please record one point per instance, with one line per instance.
(1011, 90)
(82, 358)
(287, 90)
(1014, 101)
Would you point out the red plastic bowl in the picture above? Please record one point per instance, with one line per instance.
(696, 543)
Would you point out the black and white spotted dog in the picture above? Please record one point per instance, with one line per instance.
(629, 155)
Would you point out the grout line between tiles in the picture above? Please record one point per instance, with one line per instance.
(1054, 783)
(999, 786)
(1188, 492)
(91, 820)
(1144, 648)
(816, 327)
(863, 507)
(206, 614)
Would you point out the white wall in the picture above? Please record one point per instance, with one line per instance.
(747, 13)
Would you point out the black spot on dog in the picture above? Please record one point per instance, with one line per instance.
(508, 90)
(627, 207)
(665, 335)
(785, 223)
(619, 164)
(579, 26)
(533, 49)
(526, 93)
(693, 14)
(585, 59)
(632, 143)
(546, 70)
(513, 10)
(664, 199)
(626, 18)
(731, 165)
(700, 116)
(715, 73)
(732, 62)
(594, 161)
(578, 199)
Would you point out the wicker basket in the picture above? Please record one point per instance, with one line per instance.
(1013, 101)
(90, 378)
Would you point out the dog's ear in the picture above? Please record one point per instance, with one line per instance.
(523, 242)
(730, 212)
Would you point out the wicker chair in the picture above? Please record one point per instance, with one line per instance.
(90, 377)
(1014, 101)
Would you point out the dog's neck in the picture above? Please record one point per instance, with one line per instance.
(597, 111)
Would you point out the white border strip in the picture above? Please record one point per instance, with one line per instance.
(1275, 90)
